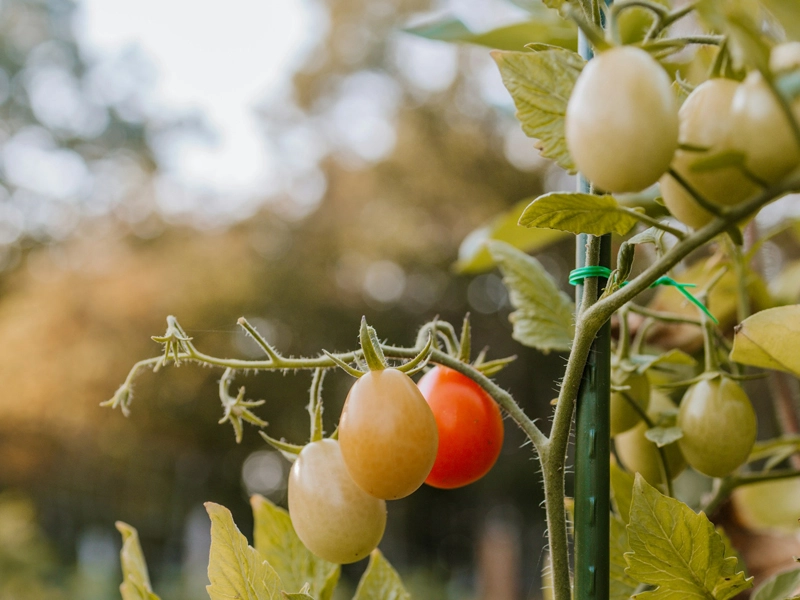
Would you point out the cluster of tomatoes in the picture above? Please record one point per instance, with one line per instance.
(625, 131)
(716, 418)
(393, 437)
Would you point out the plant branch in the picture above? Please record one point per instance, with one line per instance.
(648, 220)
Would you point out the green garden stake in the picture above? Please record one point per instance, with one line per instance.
(592, 441)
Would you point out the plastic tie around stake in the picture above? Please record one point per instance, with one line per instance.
(577, 276)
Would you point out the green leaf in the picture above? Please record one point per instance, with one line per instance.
(677, 550)
(547, 28)
(621, 491)
(473, 255)
(578, 213)
(380, 581)
(135, 579)
(540, 84)
(769, 339)
(621, 585)
(778, 587)
(661, 436)
(275, 539)
(235, 569)
(544, 315)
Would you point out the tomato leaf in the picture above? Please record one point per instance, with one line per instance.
(540, 84)
(778, 587)
(547, 28)
(678, 550)
(621, 585)
(661, 436)
(135, 579)
(621, 491)
(235, 569)
(275, 539)
(544, 315)
(578, 213)
(380, 580)
(768, 339)
(473, 255)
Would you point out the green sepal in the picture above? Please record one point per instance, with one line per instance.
(289, 451)
(371, 347)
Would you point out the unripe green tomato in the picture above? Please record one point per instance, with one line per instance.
(333, 517)
(719, 426)
(762, 130)
(622, 120)
(623, 415)
(640, 455)
(705, 122)
(388, 434)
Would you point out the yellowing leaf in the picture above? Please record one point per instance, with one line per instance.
(380, 581)
(274, 537)
(473, 255)
(540, 84)
(544, 315)
(621, 585)
(678, 550)
(235, 569)
(135, 579)
(778, 587)
(578, 213)
(770, 339)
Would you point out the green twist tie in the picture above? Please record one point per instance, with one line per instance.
(577, 276)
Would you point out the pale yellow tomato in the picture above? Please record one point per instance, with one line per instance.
(332, 516)
(388, 434)
(705, 122)
(622, 120)
(623, 415)
(639, 455)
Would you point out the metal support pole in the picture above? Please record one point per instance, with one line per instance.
(592, 442)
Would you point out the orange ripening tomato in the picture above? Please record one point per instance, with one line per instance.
(470, 428)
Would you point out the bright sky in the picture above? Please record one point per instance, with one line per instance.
(217, 58)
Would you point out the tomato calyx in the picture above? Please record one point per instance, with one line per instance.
(375, 358)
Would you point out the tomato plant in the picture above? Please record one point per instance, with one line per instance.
(388, 434)
(622, 120)
(615, 120)
(332, 516)
(470, 428)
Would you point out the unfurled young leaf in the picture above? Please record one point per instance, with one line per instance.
(778, 587)
(235, 569)
(769, 339)
(621, 585)
(135, 579)
(540, 84)
(275, 539)
(578, 213)
(678, 550)
(380, 581)
(544, 315)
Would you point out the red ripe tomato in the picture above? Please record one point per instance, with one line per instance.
(470, 428)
